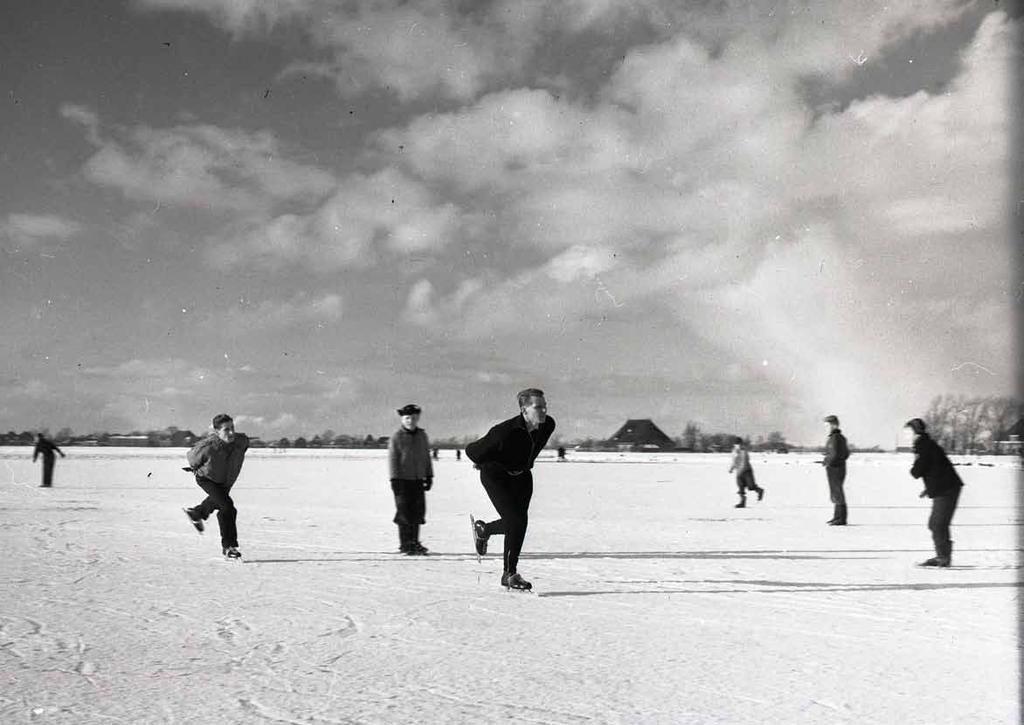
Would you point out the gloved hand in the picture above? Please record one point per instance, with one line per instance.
(428, 483)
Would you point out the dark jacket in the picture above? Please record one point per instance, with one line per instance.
(931, 464)
(510, 446)
(836, 450)
(47, 448)
(409, 455)
(218, 461)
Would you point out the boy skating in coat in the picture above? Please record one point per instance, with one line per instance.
(216, 461)
(744, 472)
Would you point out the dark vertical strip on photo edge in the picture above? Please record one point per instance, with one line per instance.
(1015, 10)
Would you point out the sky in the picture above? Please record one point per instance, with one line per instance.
(308, 213)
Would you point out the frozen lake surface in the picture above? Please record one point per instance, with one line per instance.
(656, 601)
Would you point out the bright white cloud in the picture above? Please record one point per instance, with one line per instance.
(200, 166)
(30, 230)
(367, 217)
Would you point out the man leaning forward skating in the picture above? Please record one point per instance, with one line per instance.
(505, 457)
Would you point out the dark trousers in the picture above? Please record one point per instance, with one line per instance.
(410, 510)
(943, 508)
(48, 471)
(218, 499)
(745, 481)
(836, 476)
(511, 498)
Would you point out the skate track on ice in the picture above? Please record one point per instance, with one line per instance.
(656, 601)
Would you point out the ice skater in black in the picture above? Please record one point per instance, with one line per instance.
(942, 485)
(412, 474)
(216, 461)
(47, 448)
(505, 457)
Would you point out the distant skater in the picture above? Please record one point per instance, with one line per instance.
(836, 453)
(561, 453)
(505, 457)
(216, 460)
(47, 448)
(412, 474)
(744, 472)
(942, 485)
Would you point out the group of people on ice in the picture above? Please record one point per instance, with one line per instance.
(942, 483)
(505, 457)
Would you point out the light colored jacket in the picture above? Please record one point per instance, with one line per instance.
(740, 461)
(409, 455)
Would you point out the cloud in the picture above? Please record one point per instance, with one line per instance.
(31, 230)
(147, 370)
(300, 310)
(199, 166)
(367, 217)
(457, 51)
(419, 306)
(701, 182)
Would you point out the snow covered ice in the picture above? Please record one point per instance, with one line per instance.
(656, 601)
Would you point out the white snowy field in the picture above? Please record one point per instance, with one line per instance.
(656, 601)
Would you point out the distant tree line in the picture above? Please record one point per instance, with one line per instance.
(962, 424)
(173, 437)
(696, 440)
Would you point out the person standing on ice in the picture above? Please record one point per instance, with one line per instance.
(505, 457)
(216, 460)
(412, 474)
(836, 453)
(942, 485)
(744, 472)
(46, 447)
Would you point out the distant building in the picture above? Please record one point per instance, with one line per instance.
(641, 434)
(131, 441)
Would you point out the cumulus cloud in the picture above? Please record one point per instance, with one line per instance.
(811, 249)
(368, 216)
(199, 166)
(31, 230)
(445, 47)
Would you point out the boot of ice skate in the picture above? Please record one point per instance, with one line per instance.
(839, 518)
(760, 494)
(743, 502)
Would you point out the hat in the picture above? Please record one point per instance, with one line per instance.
(410, 409)
(917, 425)
(831, 419)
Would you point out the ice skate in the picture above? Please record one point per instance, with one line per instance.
(940, 561)
(514, 581)
(418, 549)
(196, 521)
(760, 494)
(742, 504)
(232, 553)
(479, 537)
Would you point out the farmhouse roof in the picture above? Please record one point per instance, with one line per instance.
(642, 432)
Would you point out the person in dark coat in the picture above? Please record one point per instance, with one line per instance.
(411, 474)
(505, 457)
(216, 460)
(942, 485)
(836, 453)
(46, 447)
